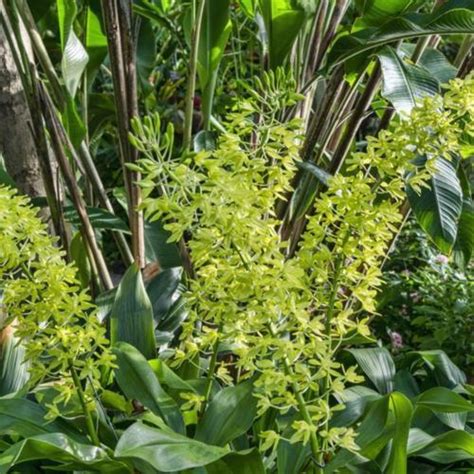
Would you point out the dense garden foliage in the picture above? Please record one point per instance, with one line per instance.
(253, 253)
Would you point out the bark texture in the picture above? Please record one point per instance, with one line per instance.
(16, 141)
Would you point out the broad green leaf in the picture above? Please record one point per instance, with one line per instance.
(356, 401)
(81, 260)
(448, 20)
(388, 419)
(248, 6)
(74, 62)
(404, 84)
(321, 175)
(291, 457)
(402, 410)
(283, 20)
(405, 383)
(378, 365)
(26, 418)
(138, 382)
(131, 317)
(373, 435)
(174, 318)
(99, 218)
(168, 378)
(169, 304)
(204, 140)
(95, 39)
(434, 61)
(164, 450)
(378, 11)
(465, 239)
(457, 420)
(238, 463)
(438, 208)
(163, 291)
(116, 402)
(155, 11)
(456, 439)
(444, 400)
(104, 303)
(157, 249)
(57, 447)
(75, 58)
(306, 191)
(215, 31)
(229, 415)
(417, 440)
(443, 456)
(67, 11)
(95, 35)
(434, 448)
(446, 373)
(146, 53)
(13, 368)
(73, 122)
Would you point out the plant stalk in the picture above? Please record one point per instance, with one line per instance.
(87, 414)
(302, 408)
(191, 87)
(120, 40)
(74, 190)
(210, 375)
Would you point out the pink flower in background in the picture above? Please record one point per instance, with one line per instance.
(441, 259)
(396, 340)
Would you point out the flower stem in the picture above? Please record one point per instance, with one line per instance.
(329, 314)
(87, 414)
(210, 375)
(191, 88)
(302, 408)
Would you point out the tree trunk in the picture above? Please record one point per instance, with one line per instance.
(16, 141)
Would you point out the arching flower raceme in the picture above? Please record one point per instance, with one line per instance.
(283, 318)
(54, 319)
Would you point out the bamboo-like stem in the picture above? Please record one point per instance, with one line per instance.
(295, 229)
(41, 52)
(314, 130)
(467, 66)
(129, 59)
(313, 54)
(87, 230)
(29, 77)
(118, 22)
(191, 86)
(85, 409)
(89, 170)
(356, 119)
(319, 121)
(83, 158)
(104, 200)
(336, 18)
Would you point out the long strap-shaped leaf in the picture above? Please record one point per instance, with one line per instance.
(138, 382)
(451, 20)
